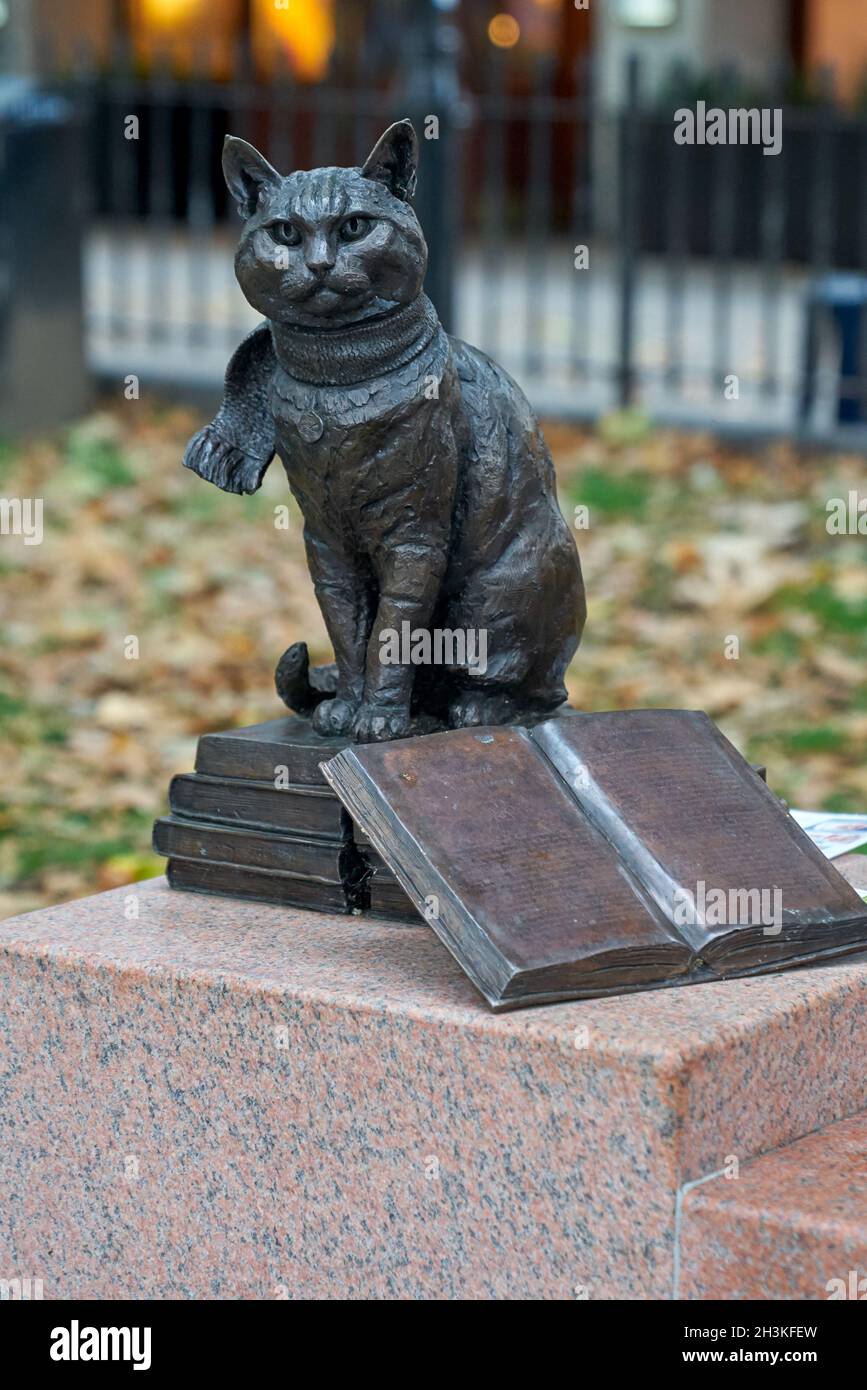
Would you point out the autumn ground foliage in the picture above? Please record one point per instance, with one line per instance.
(155, 609)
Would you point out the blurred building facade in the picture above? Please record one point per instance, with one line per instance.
(553, 133)
(321, 39)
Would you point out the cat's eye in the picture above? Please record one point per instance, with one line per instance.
(354, 228)
(286, 233)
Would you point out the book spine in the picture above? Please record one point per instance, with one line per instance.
(257, 806)
(221, 756)
(258, 885)
(202, 841)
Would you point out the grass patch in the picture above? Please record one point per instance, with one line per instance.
(611, 494)
(816, 739)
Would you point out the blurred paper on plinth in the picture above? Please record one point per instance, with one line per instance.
(833, 834)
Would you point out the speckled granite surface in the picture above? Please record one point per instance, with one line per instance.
(223, 1099)
(853, 867)
(793, 1224)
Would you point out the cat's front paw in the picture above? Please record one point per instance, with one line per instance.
(333, 717)
(469, 709)
(379, 723)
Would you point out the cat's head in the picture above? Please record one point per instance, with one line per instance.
(326, 247)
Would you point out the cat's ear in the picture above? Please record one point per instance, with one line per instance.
(247, 173)
(394, 160)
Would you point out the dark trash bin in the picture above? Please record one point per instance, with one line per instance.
(840, 301)
(43, 375)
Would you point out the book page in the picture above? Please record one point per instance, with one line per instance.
(711, 843)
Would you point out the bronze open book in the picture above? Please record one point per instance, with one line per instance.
(597, 854)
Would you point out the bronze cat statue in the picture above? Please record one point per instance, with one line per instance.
(426, 486)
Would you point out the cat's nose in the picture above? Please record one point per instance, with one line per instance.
(318, 256)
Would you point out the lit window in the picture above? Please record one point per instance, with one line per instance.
(647, 14)
(302, 29)
(167, 14)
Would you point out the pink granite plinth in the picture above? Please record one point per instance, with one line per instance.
(205, 1098)
(791, 1224)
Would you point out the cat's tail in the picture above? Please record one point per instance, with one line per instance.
(299, 688)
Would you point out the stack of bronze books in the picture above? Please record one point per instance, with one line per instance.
(257, 820)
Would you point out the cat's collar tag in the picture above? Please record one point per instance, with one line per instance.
(310, 426)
